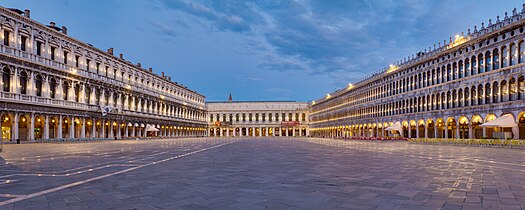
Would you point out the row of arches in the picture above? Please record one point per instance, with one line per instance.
(258, 131)
(502, 56)
(498, 91)
(40, 85)
(458, 127)
(34, 127)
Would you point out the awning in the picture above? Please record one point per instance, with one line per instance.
(129, 124)
(151, 128)
(142, 125)
(505, 121)
(395, 127)
(136, 125)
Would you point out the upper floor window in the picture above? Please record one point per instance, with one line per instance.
(88, 63)
(38, 84)
(23, 83)
(77, 60)
(24, 43)
(53, 49)
(65, 57)
(6, 37)
(98, 68)
(6, 79)
(38, 48)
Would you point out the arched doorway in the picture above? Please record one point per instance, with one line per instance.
(421, 129)
(430, 129)
(6, 127)
(489, 130)
(521, 125)
(39, 127)
(452, 126)
(463, 128)
(477, 131)
(23, 128)
(440, 128)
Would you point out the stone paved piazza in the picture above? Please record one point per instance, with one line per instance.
(273, 173)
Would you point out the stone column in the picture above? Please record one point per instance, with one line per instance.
(83, 129)
(470, 132)
(435, 131)
(126, 131)
(72, 128)
(446, 131)
(32, 128)
(484, 132)
(119, 133)
(46, 127)
(409, 131)
(426, 132)
(59, 134)
(103, 128)
(458, 136)
(110, 127)
(93, 128)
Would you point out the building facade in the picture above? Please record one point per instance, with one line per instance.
(257, 118)
(56, 87)
(445, 92)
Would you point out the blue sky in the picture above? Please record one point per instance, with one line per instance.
(265, 50)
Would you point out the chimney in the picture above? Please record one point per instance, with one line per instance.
(139, 65)
(169, 79)
(110, 50)
(150, 69)
(121, 56)
(162, 74)
(27, 13)
(64, 30)
(52, 24)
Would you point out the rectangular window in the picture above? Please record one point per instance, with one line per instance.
(6, 38)
(53, 49)
(38, 48)
(98, 68)
(114, 73)
(65, 57)
(24, 42)
(88, 63)
(77, 60)
(107, 69)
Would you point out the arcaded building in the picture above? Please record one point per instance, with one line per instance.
(56, 87)
(447, 91)
(257, 118)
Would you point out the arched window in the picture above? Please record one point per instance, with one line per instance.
(449, 72)
(495, 92)
(473, 66)
(488, 92)
(473, 95)
(77, 93)
(467, 67)
(6, 79)
(466, 101)
(521, 52)
(513, 89)
(504, 91)
(480, 94)
(521, 88)
(504, 57)
(65, 90)
(88, 94)
(23, 82)
(495, 59)
(513, 54)
(481, 65)
(38, 85)
(461, 72)
(304, 117)
(52, 88)
(97, 96)
(488, 61)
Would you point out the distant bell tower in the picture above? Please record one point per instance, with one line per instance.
(230, 98)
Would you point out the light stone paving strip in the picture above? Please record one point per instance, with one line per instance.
(294, 174)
